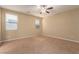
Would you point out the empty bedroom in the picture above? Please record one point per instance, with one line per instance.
(39, 29)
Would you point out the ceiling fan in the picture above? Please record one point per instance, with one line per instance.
(45, 9)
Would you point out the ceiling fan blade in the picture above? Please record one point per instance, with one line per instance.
(49, 8)
(47, 12)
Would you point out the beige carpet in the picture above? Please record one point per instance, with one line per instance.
(40, 44)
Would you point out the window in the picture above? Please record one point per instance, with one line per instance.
(37, 23)
(11, 22)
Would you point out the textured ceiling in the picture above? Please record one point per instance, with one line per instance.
(34, 10)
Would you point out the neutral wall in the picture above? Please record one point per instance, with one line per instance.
(0, 24)
(63, 25)
(26, 26)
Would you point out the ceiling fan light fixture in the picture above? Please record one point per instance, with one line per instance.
(44, 9)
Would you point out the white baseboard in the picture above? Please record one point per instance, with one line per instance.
(43, 35)
(61, 38)
(18, 38)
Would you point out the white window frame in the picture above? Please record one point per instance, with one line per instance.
(11, 21)
(37, 23)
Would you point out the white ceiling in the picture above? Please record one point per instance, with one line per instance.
(34, 10)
